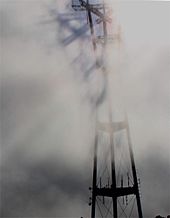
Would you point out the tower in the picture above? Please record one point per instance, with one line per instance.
(121, 182)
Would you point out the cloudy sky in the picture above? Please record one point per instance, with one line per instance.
(47, 107)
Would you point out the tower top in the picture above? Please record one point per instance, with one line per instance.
(77, 5)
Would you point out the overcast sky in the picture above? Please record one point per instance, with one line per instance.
(47, 108)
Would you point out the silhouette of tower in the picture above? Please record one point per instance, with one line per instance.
(115, 186)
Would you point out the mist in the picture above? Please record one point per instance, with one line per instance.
(48, 103)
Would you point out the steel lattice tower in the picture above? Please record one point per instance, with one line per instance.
(114, 188)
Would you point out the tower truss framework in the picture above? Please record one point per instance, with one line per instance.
(116, 186)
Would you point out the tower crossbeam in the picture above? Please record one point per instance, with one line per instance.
(118, 192)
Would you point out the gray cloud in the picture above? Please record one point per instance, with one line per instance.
(41, 189)
(155, 185)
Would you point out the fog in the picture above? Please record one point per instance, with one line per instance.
(48, 104)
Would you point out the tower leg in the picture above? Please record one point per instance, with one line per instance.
(139, 205)
(114, 199)
(134, 173)
(94, 179)
(115, 208)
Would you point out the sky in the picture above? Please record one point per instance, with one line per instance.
(48, 106)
